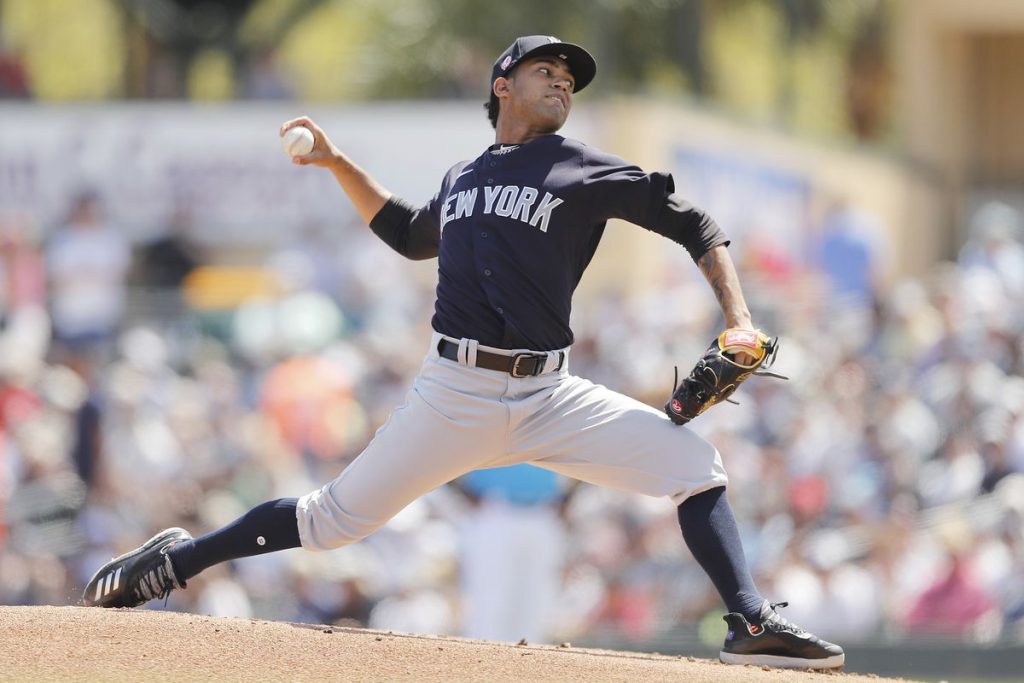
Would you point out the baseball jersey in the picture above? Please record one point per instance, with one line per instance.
(515, 228)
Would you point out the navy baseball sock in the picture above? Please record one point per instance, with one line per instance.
(710, 532)
(266, 528)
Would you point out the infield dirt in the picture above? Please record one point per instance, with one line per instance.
(90, 644)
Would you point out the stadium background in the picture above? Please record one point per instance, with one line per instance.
(191, 325)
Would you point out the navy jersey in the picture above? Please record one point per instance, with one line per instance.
(515, 228)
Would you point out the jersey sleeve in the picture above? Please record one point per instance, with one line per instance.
(413, 233)
(617, 189)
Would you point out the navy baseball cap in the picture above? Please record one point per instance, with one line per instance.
(580, 62)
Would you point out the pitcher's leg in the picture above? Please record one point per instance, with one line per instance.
(709, 529)
(266, 528)
(594, 434)
(591, 433)
(597, 435)
(417, 450)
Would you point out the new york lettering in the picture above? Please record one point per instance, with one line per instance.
(507, 201)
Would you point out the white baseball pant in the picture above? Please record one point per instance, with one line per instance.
(457, 418)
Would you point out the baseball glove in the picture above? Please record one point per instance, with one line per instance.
(717, 373)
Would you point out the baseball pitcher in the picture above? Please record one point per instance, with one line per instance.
(512, 232)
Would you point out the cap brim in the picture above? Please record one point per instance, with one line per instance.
(581, 62)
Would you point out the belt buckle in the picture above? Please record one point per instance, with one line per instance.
(516, 359)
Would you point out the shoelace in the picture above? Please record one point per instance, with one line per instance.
(156, 583)
(780, 620)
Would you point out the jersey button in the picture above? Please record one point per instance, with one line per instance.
(487, 272)
(493, 164)
(483, 234)
(501, 311)
(490, 181)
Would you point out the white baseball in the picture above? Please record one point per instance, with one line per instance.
(298, 141)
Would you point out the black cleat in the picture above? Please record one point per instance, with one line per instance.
(777, 642)
(138, 576)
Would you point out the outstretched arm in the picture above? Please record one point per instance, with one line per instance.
(367, 195)
(718, 268)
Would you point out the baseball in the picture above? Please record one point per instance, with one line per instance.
(298, 141)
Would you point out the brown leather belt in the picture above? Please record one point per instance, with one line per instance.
(518, 365)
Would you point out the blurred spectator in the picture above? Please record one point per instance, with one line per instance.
(997, 464)
(848, 253)
(309, 400)
(332, 600)
(160, 269)
(956, 603)
(419, 610)
(165, 262)
(956, 473)
(310, 259)
(22, 270)
(512, 547)
(13, 76)
(264, 80)
(994, 245)
(87, 261)
(87, 436)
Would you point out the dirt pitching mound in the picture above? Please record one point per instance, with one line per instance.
(90, 644)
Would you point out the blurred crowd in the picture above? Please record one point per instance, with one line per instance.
(880, 489)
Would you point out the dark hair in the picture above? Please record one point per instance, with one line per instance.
(492, 110)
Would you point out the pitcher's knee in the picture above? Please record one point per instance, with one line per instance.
(716, 477)
(325, 524)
